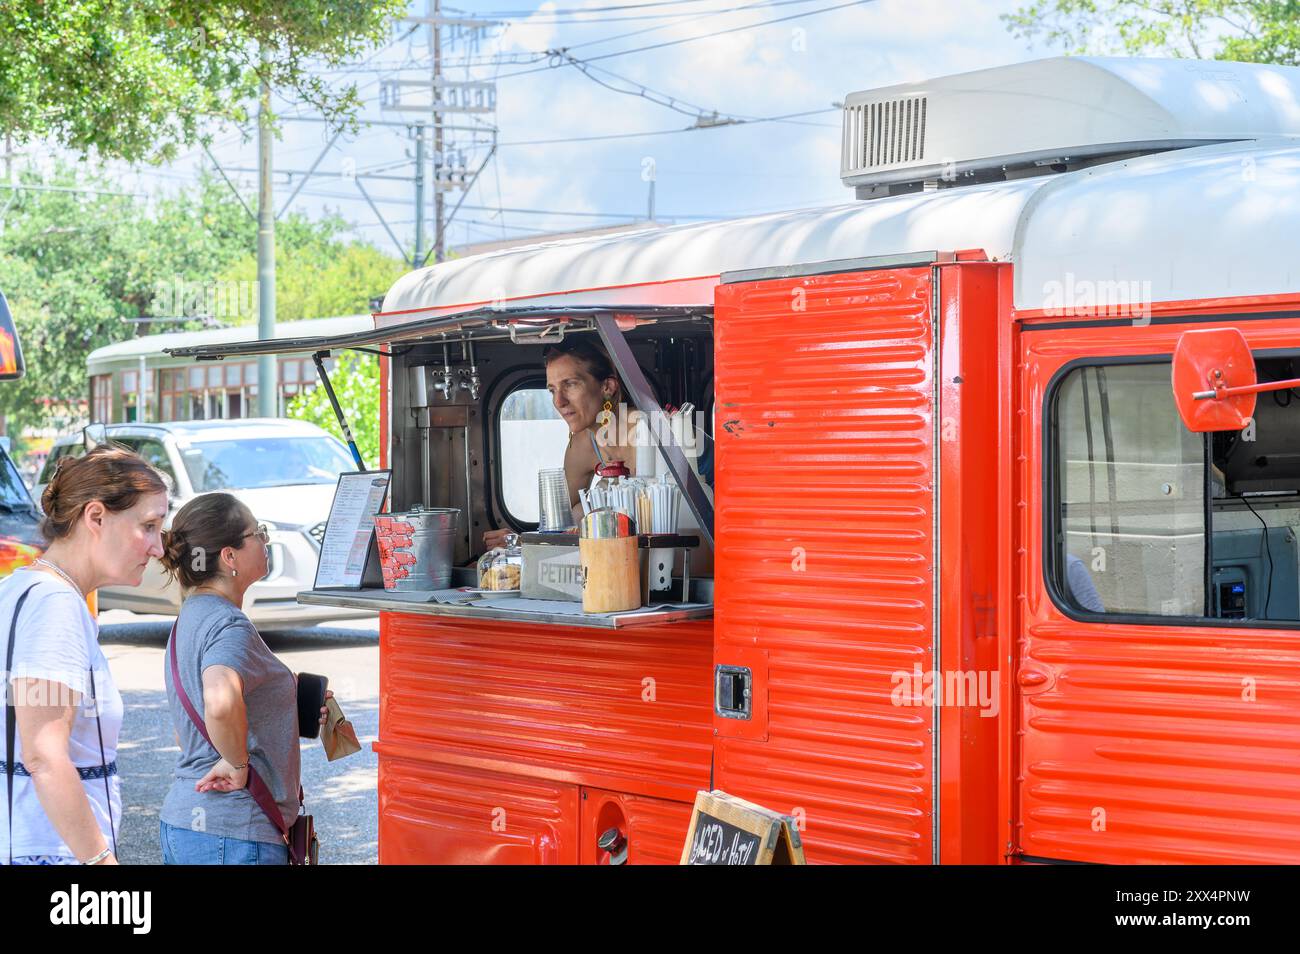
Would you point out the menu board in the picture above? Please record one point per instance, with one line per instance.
(343, 553)
(726, 830)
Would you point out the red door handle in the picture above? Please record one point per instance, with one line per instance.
(1032, 679)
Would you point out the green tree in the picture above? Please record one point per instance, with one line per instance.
(73, 265)
(355, 380)
(78, 261)
(1250, 31)
(134, 79)
(319, 276)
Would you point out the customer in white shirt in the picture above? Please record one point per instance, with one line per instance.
(103, 520)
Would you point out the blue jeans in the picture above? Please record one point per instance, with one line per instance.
(181, 846)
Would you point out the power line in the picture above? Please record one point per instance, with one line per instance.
(689, 39)
(692, 19)
(554, 213)
(581, 215)
(534, 57)
(513, 14)
(683, 16)
(642, 91)
(704, 116)
(669, 132)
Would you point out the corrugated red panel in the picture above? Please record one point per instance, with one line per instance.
(627, 710)
(436, 814)
(1149, 750)
(1161, 743)
(825, 553)
(656, 830)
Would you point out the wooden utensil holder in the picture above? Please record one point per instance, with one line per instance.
(611, 574)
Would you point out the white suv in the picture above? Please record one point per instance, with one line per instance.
(285, 471)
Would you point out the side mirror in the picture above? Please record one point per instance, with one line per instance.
(11, 351)
(1214, 380)
(92, 435)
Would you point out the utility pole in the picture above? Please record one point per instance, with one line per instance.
(267, 383)
(439, 214)
(417, 257)
(446, 96)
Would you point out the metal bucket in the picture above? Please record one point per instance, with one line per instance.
(415, 548)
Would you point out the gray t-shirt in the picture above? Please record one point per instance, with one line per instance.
(211, 631)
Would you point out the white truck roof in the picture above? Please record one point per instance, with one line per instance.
(1206, 221)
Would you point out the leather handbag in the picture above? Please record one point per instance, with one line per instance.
(304, 847)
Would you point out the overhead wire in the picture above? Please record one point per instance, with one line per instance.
(712, 118)
(693, 19)
(513, 14)
(715, 117)
(528, 57)
(692, 39)
(546, 17)
(662, 132)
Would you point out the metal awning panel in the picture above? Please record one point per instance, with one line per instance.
(476, 320)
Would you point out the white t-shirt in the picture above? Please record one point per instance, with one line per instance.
(57, 639)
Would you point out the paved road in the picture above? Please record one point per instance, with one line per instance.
(341, 795)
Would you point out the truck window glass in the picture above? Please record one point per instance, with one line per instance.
(1255, 506)
(532, 437)
(1129, 495)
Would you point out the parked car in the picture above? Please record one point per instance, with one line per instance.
(20, 537)
(285, 471)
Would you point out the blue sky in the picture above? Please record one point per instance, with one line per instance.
(775, 70)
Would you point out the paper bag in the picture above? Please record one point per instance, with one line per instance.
(337, 734)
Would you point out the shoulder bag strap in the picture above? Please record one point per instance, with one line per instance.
(103, 760)
(11, 718)
(256, 787)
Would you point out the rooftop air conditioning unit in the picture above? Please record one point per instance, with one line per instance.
(1053, 115)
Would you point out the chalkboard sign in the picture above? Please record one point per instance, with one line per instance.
(726, 830)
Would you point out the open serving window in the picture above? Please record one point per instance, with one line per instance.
(472, 423)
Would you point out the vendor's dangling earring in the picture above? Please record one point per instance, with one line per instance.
(234, 573)
(606, 413)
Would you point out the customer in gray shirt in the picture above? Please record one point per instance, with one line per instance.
(246, 697)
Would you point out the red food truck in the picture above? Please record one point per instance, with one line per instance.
(970, 589)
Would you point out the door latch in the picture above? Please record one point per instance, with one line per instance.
(733, 692)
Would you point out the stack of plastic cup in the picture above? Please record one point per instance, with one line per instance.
(554, 512)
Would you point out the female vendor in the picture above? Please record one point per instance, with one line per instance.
(583, 387)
